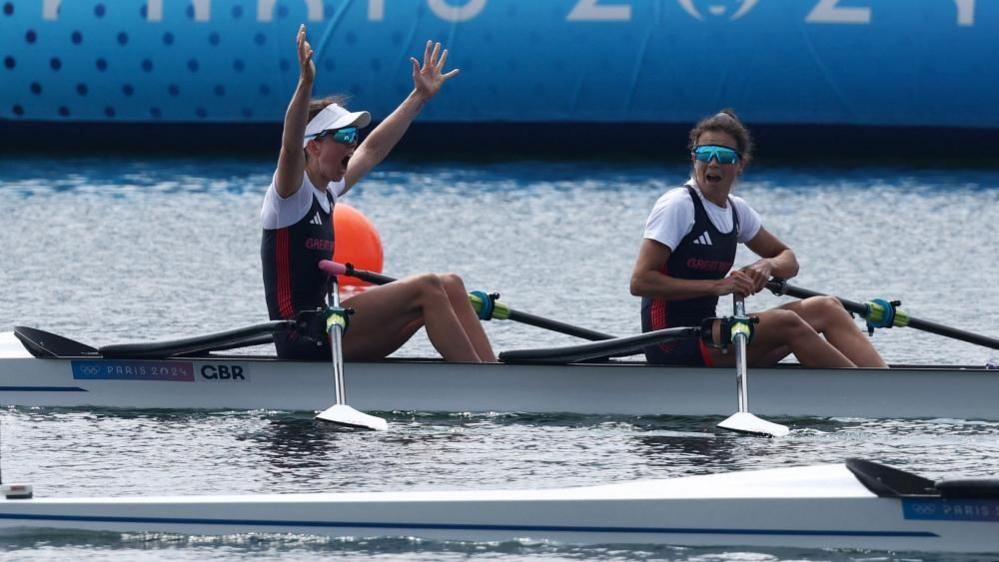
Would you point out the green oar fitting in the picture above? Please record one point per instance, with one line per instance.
(883, 314)
(337, 315)
(741, 326)
(487, 305)
(728, 327)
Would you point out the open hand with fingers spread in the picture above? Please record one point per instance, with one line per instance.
(306, 65)
(428, 78)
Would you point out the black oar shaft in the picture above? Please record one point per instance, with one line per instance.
(515, 315)
(615, 347)
(228, 339)
(556, 326)
(861, 309)
(800, 293)
(941, 330)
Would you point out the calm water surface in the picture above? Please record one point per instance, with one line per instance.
(108, 251)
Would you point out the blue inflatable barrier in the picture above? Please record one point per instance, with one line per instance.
(847, 62)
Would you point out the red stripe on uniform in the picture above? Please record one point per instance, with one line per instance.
(333, 232)
(658, 315)
(705, 353)
(283, 266)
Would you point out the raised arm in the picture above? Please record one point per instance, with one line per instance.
(291, 161)
(427, 81)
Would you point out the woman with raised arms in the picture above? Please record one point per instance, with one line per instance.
(321, 159)
(689, 246)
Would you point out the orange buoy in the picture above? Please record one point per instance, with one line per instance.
(357, 243)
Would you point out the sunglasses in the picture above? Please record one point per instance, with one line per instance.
(722, 154)
(347, 135)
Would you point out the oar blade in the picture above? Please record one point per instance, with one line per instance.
(345, 416)
(744, 422)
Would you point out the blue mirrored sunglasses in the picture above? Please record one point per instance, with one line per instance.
(347, 135)
(723, 154)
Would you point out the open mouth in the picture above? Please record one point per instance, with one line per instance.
(713, 178)
(345, 160)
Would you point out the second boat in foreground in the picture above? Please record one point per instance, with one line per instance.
(856, 505)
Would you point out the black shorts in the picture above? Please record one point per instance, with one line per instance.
(292, 345)
(689, 352)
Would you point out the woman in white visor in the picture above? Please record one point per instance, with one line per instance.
(320, 161)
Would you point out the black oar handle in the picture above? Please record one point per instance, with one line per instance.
(369, 276)
(782, 288)
(517, 316)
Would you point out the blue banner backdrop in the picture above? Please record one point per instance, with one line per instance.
(849, 62)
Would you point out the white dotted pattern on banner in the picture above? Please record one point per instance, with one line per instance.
(106, 60)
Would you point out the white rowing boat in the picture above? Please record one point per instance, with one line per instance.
(857, 505)
(614, 387)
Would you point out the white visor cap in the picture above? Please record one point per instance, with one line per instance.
(335, 117)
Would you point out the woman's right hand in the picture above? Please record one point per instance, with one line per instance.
(306, 65)
(737, 282)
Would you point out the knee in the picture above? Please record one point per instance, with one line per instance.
(789, 323)
(828, 308)
(452, 283)
(428, 284)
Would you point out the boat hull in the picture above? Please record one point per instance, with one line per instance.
(611, 388)
(814, 507)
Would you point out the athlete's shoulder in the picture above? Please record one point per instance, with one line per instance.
(742, 206)
(750, 221)
(671, 217)
(739, 201)
(675, 196)
(337, 187)
(280, 212)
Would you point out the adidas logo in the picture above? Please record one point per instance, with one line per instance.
(318, 219)
(704, 239)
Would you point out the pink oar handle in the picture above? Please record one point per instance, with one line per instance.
(332, 267)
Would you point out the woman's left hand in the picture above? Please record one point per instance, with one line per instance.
(759, 272)
(307, 66)
(428, 78)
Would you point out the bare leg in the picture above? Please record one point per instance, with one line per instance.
(371, 338)
(828, 317)
(779, 330)
(775, 355)
(458, 296)
(387, 316)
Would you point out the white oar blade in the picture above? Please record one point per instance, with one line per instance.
(344, 415)
(744, 422)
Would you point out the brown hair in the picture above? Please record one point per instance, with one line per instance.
(725, 121)
(317, 105)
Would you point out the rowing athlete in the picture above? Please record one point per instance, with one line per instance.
(321, 159)
(689, 246)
